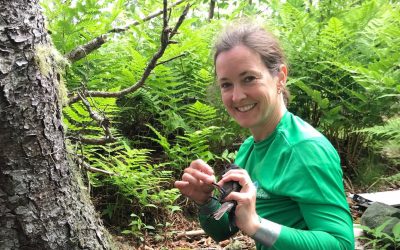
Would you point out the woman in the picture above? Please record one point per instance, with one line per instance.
(292, 196)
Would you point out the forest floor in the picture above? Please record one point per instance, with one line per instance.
(186, 234)
(175, 237)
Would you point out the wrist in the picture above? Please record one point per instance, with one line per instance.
(203, 197)
(208, 207)
(267, 233)
(253, 226)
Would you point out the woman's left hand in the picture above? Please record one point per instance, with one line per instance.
(246, 217)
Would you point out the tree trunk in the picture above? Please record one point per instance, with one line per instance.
(211, 10)
(42, 204)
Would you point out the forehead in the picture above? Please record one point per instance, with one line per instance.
(239, 58)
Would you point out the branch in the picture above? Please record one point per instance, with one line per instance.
(94, 141)
(103, 121)
(85, 49)
(87, 166)
(93, 114)
(166, 35)
(173, 58)
(190, 233)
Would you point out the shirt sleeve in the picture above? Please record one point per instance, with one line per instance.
(314, 181)
(218, 230)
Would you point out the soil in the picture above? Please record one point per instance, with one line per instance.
(173, 239)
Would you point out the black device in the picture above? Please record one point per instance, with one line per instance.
(227, 206)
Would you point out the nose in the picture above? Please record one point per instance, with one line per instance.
(238, 94)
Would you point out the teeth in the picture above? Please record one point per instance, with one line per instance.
(246, 108)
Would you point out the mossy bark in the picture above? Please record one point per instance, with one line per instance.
(42, 205)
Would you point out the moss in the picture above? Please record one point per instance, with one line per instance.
(62, 92)
(50, 60)
(43, 59)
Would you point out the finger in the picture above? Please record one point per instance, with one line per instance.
(237, 171)
(206, 178)
(190, 179)
(183, 187)
(181, 184)
(200, 165)
(243, 179)
(239, 197)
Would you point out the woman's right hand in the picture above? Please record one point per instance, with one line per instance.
(196, 183)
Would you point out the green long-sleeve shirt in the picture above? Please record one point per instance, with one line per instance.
(299, 185)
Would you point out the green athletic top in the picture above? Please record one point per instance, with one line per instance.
(298, 177)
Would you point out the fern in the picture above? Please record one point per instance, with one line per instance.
(389, 137)
(133, 175)
(333, 38)
(79, 123)
(200, 115)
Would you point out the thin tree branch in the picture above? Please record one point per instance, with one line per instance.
(190, 233)
(180, 21)
(94, 141)
(85, 49)
(166, 35)
(93, 114)
(173, 58)
(87, 166)
(103, 121)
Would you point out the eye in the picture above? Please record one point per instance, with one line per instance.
(249, 79)
(225, 85)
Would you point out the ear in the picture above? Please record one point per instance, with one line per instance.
(282, 75)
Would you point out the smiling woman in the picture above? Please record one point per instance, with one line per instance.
(291, 196)
(249, 92)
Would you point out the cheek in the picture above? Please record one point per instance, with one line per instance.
(225, 99)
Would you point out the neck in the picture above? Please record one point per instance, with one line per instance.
(261, 132)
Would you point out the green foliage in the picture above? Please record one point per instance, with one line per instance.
(344, 66)
(344, 79)
(393, 179)
(387, 138)
(369, 172)
(190, 146)
(377, 239)
(200, 115)
(74, 23)
(136, 187)
(77, 119)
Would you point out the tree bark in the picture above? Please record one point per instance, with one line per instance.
(42, 203)
(211, 10)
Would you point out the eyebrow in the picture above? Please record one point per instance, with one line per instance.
(242, 74)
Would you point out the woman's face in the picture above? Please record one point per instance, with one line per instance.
(249, 92)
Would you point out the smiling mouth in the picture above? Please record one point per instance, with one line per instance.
(246, 108)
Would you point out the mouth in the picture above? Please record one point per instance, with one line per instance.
(245, 108)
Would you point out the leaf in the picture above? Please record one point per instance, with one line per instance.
(378, 230)
(396, 230)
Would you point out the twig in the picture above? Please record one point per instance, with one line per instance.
(93, 114)
(83, 50)
(95, 141)
(173, 58)
(190, 233)
(103, 121)
(166, 35)
(348, 184)
(90, 168)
